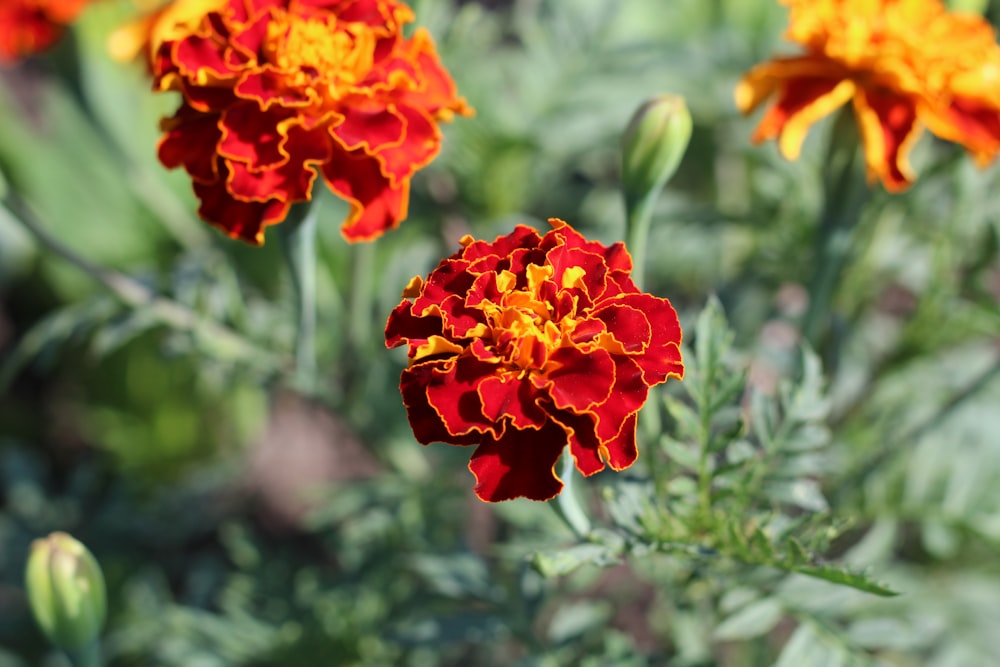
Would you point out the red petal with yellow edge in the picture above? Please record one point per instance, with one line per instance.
(801, 103)
(453, 392)
(578, 380)
(628, 325)
(592, 281)
(523, 237)
(265, 89)
(583, 443)
(421, 141)
(187, 134)
(238, 219)
(198, 56)
(404, 327)
(425, 421)
(662, 356)
(889, 128)
(370, 130)
(289, 183)
(519, 464)
(253, 136)
(505, 397)
(622, 451)
(973, 124)
(375, 206)
(627, 397)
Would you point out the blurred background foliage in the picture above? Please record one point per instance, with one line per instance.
(244, 520)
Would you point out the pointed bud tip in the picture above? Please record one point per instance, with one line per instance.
(66, 591)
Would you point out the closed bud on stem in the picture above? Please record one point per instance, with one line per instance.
(654, 142)
(66, 591)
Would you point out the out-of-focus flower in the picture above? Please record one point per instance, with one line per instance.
(66, 591)
(276, 91)
(526, 345)
(902, 63)
(30, 26)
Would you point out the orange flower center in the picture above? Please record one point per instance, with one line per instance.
(523, 331)
(318, 54)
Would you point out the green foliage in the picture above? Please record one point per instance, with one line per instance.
(149, 404)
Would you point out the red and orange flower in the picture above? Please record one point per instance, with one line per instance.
(529, 344)
(276, 91)
(30, 26)
(903, 64)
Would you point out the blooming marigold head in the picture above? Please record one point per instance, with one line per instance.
(30, 26)
(902, 64)
(278, 91)
(526, 345)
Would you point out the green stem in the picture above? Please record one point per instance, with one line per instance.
(566, 504)
(88, 656)
(361, 295)
(705, 459)
(845, 194)
(299, 236)
(638, 216)
(137, 295)
(648, 436)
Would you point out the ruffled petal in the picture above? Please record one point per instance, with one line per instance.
(577, 380)
(519, 464)
(244, 220)
(969, 122)
(375, 205)
(426, 422)
(506, 397)
(453, 391)
(889, 129)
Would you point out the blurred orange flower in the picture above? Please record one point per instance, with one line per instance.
(30, 26)
(903, 64)
(275, 91)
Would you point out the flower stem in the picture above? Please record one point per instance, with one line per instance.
(360, 304)
(567, 505)
(135, 294)
(845, 195)
(638, 216)
(299, 249)
(87, 656)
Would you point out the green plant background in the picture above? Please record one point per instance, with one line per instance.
(242, 520)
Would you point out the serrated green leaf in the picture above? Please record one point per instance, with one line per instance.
(795, 553)
(760, 545)
(563, 561)
(680, 453)
(688, 423)
(845, 577)
(804, 493)
(731, 387)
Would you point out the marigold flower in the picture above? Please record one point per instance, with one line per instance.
(275, 91)
(30, 26)
(903, 64)
(526, 345)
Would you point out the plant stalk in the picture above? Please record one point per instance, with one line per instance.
(566, 504)
(299, 249)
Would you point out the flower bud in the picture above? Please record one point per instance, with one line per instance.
(970, 6)
(654, 143)
(66, 591)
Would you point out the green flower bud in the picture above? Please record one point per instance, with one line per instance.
(66, 591)
(977, 6)
(654, 143)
